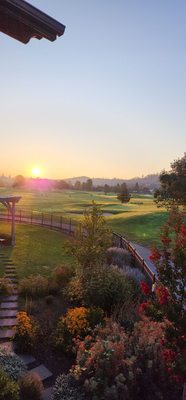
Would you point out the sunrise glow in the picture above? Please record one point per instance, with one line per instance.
(36, 172)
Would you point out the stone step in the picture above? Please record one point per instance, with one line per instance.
(10, 298)
(27, 358)
(42, 371)
(10, 269)
(9, 305)
(8, 322)
(47, 394)
(8, 262)
(7, 333)
(12, 279)
(8, 313)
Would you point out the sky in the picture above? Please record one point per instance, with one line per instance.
(107, 99)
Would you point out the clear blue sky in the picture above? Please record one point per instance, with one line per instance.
(107, 99)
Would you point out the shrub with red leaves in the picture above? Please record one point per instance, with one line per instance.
(155, 255)
(145, 288)
(163, 295)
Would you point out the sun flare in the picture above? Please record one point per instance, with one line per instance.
(36, 172)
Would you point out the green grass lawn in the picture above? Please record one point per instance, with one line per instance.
(139, 220)
(37, 250)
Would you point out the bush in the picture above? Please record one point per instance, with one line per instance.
(65, 388)
(9, 390)
(118, 256)
(49, 299)
(33, 286)
(26, 333)
(62, 275)
(105, 287)
(75, 292)
(12, 364)
(5, 288)
(31, 387)
(133, 273)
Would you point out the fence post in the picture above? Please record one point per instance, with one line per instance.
(42, 219)
(51, 220)
(20, 216)
(134, 257)
(31, 218)
(60, 223)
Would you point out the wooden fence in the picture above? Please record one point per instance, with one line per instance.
(69, 226)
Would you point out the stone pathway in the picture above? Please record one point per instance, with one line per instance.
(9, 305)
(145, 253)
(8, 322)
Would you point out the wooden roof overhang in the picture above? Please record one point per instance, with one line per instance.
(22, 21)
(9, 202)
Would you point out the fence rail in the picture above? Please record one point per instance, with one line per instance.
(52, 221)
(67, 225)
(138, 260)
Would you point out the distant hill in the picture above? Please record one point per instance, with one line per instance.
(149, 181)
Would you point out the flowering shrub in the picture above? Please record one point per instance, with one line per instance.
(12, 364)
(145, 288)
(65, 388)
(27, 331)
(9, 390)
(171, 261)
(162, 295)
(114, 365)
(77, 322)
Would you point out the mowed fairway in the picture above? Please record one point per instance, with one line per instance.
(37, 250)
(139, 220)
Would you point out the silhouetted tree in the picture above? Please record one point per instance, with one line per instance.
(124, 196)
(173, 185)
(19, 181)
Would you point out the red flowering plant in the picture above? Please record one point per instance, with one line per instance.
(113, 364)
(171, 261)
(145, 288)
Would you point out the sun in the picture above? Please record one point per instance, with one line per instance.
(36, 172)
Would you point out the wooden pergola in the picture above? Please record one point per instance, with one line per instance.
(22, 21)
(9, 202)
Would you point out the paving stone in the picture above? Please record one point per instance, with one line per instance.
(27, 358)
(42, 371)
(9, 305)
(47, 394)
(10, 298)
(8, 313)
(7, 333)
(8, 322)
